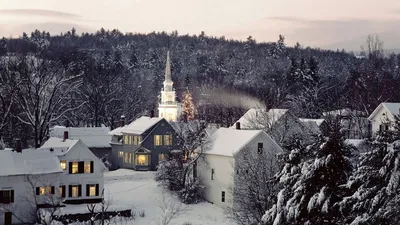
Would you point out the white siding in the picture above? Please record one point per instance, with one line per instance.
(25, 194)
(81, 153)
(379, 119)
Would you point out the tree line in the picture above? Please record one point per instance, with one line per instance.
(93, 79)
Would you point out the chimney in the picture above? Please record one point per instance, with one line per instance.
(237, 125)
(122, 121)
(65, 135)
(18, 145)
(151, 113)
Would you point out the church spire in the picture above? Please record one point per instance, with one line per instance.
(168, 68)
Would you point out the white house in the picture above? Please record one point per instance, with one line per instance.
(217, 171)
(82, 179)
(383, 117)
(355, 123)
(281, 124)
(27, 179)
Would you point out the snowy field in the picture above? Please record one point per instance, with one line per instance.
(138, 191)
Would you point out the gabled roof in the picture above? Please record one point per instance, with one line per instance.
(59, 145)
(392, 107)
(28, 162)
(345, 112)
(92, 137)
(139, 126)
(259, 118)
(227, 141)
(318, 122)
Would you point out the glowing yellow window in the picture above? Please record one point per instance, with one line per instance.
(75, 167)
(168, 139)
(87, 167)
(157, 140)
(63, 164)
(142, 160)
(120, 154)
(92, 190)
(75, 191)
(45, 190)
(126, 137)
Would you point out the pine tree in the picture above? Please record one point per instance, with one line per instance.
(3, 46)
(188, 109)
(311, 180)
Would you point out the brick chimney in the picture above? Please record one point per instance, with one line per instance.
(237, 125)
(122, 121)
(65, 135)
(18, 145)
(151, 113)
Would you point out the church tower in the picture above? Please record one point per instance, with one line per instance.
(168, 107)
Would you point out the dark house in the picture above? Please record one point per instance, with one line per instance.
(142, 144)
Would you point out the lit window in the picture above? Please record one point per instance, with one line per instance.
(92, 190)
(142, 160)
(45, 190)
(126, 157)
(137, 140)
(157, 140)
(126, 139)
(88, 168)
(75, 167)
(61, 191)
(130, 140)
(223, 196)
(75, 191)
(168, 139)
(161, 157)
(63, 164)
(120, 154)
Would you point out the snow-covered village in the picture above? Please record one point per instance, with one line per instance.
(199, 113)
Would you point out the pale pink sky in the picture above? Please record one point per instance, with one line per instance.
(324, 23)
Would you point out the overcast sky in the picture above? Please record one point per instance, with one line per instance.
(318, 23)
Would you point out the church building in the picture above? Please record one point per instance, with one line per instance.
(168, 108)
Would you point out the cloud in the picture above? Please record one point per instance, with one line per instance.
(39, 12)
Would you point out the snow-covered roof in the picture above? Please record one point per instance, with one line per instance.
(392, 107)
(27, 162)
(139, 126)
(316, 121)
(354, 142)
(344, 112)
(228, 142)
(256, 118)
(92, 137)
(59, 145)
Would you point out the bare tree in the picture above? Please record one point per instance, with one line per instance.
(373, 47)
(253, 188)
(98, 211)
(43, 94)
(170, 209)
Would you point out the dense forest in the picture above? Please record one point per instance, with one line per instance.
(93, 79)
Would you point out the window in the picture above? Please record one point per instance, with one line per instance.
(88, 166)
(75, 191)
(61, 191)
(92, 190)
(383, 127)
(45, 190)
(223, 196)
(7, 218)
(121, 154)
(142, 160)
(126, 137)
(63, 164)
(157, 140)
(7, 196)
(161, 157)
(137, 140)
(212, 174)
(127, 158)
(130, 140)
(168, 139)
(260, 148)
(75, 167)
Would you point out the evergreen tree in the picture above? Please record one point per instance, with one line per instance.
(311, 180)
(188, 109)
(3, 46)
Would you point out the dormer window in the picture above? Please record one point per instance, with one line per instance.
(260, 148)
(63, 164)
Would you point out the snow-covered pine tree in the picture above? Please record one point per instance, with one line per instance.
(311, 180)
(374, 186)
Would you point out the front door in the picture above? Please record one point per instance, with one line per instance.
(7, 218)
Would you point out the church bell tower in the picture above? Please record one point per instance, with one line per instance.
(168, 107)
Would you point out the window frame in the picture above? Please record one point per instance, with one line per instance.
(146, 159)
(7, 199)
(87, 164)
(75, 167)
(121, 154)
(158, 140)
(223, 196)
(167, 139)
(260, 148)
(63, 162)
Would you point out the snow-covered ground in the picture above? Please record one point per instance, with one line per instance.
(138, 191)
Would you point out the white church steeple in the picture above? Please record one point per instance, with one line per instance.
(168, 107)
